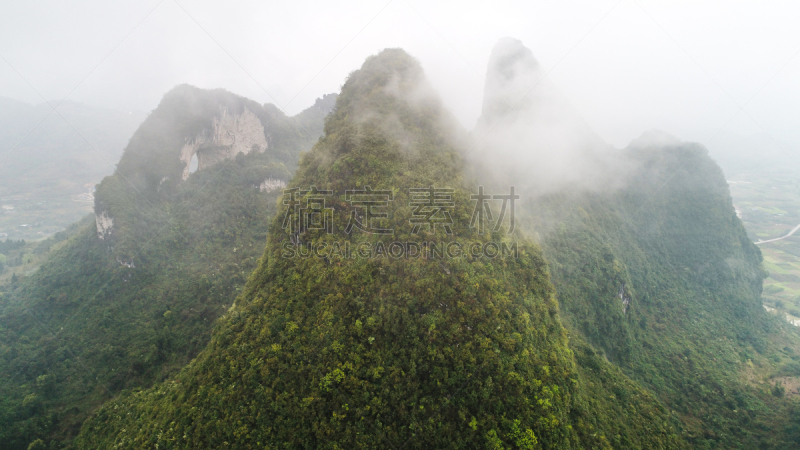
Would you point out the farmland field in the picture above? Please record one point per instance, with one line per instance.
(769, 205)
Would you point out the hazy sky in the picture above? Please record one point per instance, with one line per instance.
(628, 66)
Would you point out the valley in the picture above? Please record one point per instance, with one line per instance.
(769, 201)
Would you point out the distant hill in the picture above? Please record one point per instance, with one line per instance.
(131, 293)
(46, 182)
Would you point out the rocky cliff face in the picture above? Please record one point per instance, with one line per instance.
(230, 135)
(104, 224)
(206, 127)
(271, 184)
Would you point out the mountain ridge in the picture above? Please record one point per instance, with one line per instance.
(630, 318)
(413, 351)
(129, 305)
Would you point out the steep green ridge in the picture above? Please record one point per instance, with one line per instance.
(124, 311)
(652, 268)
(671, 246)
(658, 284)
(338, 352)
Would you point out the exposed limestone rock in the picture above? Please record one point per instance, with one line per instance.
(190, 149)
(626, 299)
(129, 265)
(271, 184)
(105, 224)
(789, 318)
(231, 134)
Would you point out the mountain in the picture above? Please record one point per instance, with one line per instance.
(614, 304)
(362, 331)
(651, 265)
(551, 148)
(50, 163)
(130, 294)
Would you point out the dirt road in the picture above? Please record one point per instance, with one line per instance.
(782, 237)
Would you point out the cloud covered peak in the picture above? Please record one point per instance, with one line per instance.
(530, 134)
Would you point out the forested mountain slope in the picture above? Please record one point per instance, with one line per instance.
(330, 348)
(134, 293)
(622, 311)
(651, 265)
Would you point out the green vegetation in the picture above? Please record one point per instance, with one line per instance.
(23, 258)
(10, 245)
(10, 254)
(366, 353)
(694, 328)
(100, 316)
(185, 112)
(635, 321)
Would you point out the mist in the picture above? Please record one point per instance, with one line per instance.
(529, 135)
(625, 66)
(399, 224)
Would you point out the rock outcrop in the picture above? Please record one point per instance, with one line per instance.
(231, 134)
(105, 224)
(271, 184)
